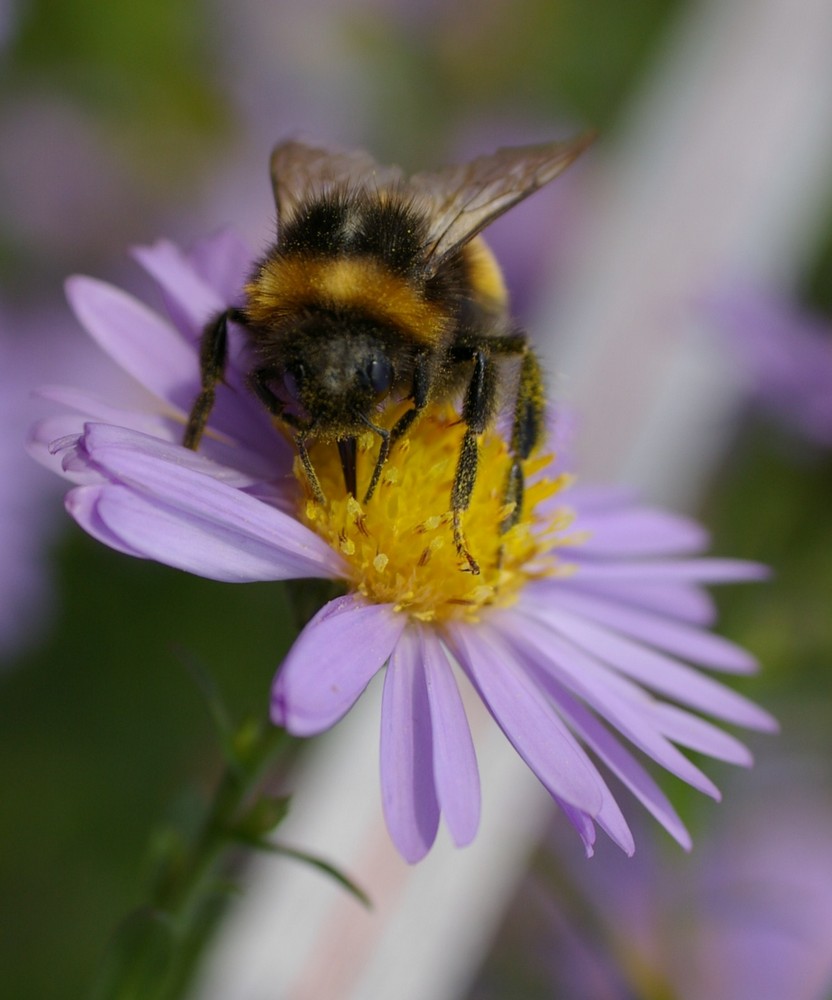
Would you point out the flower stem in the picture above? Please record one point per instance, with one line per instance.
(180, 891)
(156, 949)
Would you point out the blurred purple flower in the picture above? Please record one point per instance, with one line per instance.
(788, 357)
(763, 890)
(32, 346)
(582, 614)
(23, 505)
(747, 916)
(7, 18)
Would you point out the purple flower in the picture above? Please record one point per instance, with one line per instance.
(746, 916)
(587, 614)
(24, 516)
(788, 357)
(32, 346)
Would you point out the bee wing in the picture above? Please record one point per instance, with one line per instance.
(300, 170)
(464, 199)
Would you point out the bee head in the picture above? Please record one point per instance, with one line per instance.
(337, 374)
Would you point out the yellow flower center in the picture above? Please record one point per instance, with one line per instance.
(399, 546)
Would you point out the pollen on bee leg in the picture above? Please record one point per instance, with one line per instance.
(471, 565)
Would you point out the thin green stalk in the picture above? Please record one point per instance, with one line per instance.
(156, 949)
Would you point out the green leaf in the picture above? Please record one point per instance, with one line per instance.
(320, 864)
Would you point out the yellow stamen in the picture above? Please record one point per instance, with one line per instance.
(399, 547)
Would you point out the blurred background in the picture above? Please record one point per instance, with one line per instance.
(678, 284)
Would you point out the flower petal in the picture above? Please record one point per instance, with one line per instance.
(675, 570)
(623, 765)
(88, 406)
(224, 261)
(111, 447)
(189, 299)
(700, 735)
(581, 823)
(687, 602)
(408, 793)
(152, 351)
(696, 645)
(207, 547)
(50, 440)
(331, 662)
(626, 706)
(454, 760)
(639, 531)
(526, 717)
(609, 818)
(137, 339)
(660, 672)
(612, 822)
(217, 521)
(82, 504)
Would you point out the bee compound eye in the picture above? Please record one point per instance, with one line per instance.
(292, 378)
(380, 374)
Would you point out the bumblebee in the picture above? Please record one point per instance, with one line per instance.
(378, 290)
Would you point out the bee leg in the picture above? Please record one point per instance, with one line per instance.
(419, 395)
(308, 468)
(477, 411)
(525, 434)
(383, 452)
(527, 424)
(464, 479)
(213, 350)
(259, 381)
